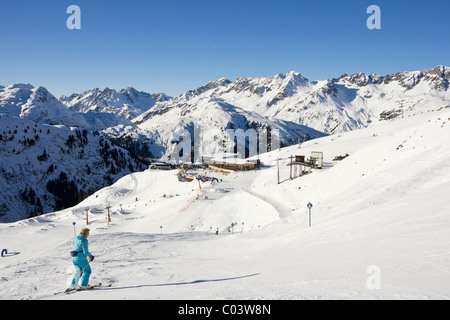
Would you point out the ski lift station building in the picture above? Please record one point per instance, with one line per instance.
(232, 162)
(315, 161)
(160, 166)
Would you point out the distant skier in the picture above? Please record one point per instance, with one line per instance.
(80, 257)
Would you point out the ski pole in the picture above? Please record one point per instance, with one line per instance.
(82, 271)
(89, 262)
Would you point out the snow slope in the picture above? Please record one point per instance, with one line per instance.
(45, 168)
(38, 105)
(384, 208)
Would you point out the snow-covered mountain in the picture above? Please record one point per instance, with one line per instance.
(50, 157)
(46, 168)
(149, 125)
(37, 104)
(166, 122)
(290, 103)
(216, 112)
(109, 108)
(331, 106)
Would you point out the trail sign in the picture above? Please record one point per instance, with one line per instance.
(310, 207)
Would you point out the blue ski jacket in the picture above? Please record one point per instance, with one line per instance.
(81, 246)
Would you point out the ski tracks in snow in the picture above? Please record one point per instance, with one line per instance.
(279, 206)
(115, 193)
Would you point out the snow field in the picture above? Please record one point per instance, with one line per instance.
(385, 206)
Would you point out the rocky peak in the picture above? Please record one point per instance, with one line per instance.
(209, 86)
(360, 79)
(160, 97)
(438, 78)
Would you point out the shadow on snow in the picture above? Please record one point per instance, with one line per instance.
(181, 283)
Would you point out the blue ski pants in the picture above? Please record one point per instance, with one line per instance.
(83, 271)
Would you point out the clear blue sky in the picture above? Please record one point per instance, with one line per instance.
(172, 46)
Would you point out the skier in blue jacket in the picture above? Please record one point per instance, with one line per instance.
(80, 257)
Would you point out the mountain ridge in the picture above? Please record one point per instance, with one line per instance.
(330, 106)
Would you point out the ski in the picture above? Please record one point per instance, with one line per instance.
(79, 289)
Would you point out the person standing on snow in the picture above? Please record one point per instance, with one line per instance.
(80, 257)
